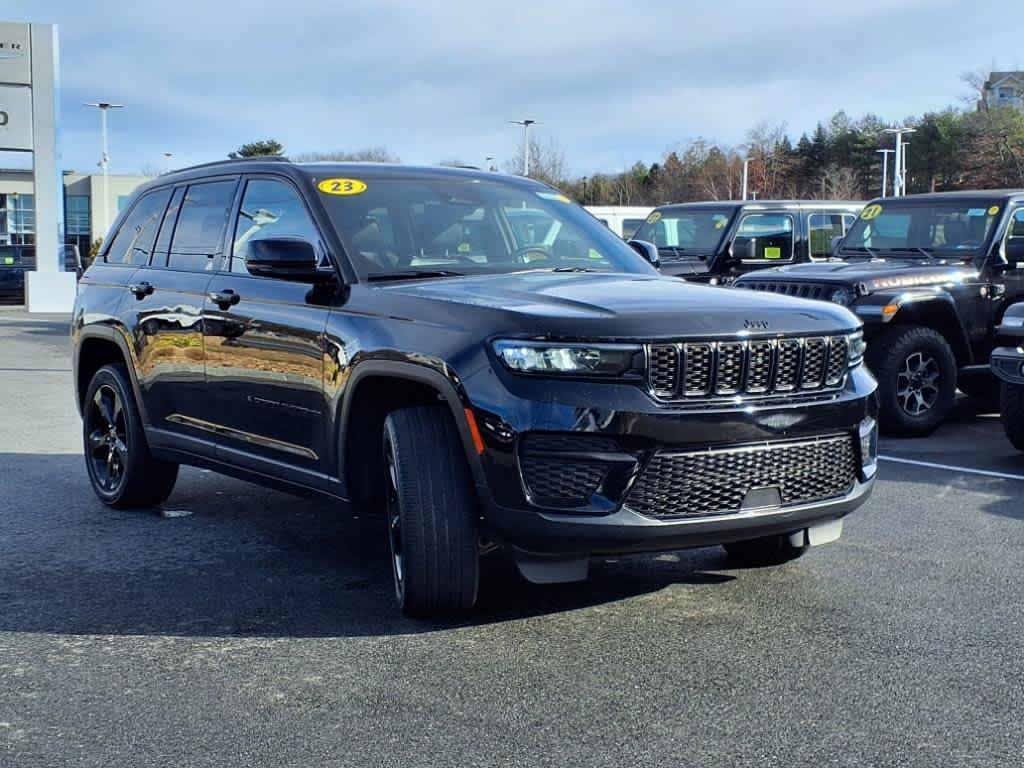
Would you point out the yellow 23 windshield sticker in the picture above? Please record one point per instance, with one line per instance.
(342, 186)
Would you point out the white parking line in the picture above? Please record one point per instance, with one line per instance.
(966, 470)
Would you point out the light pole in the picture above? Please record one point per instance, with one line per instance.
(104, 107)
(899, 174)
(885, 166)
(746, 165)
(489, 163)
(526, 123)
(167, 161)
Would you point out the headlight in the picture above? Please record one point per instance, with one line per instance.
(841, 296)
(855, 347)
(569, 359)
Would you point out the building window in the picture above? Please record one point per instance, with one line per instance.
(76, 215)
(1005, 93)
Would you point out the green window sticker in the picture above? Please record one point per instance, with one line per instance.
(773, 253)
(8, 259)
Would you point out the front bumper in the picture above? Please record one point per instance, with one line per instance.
(511, 408)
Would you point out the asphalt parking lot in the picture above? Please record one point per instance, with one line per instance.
(259, 628)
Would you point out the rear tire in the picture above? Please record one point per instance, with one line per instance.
(432, 513)
(1011, 413)
(916, 372)
(123, 473)
(769, 550)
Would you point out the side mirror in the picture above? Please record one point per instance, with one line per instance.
(833, 246)
(648, 250)
(284, 258)
(744, 248)
(1015, 252)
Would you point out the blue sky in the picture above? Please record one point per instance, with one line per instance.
(611, 82)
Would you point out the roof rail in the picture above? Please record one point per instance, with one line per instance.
(232, 160)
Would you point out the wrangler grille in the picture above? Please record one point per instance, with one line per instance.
(801, 290)
(700, 371)
(716, 482)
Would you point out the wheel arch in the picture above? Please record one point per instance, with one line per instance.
(937, 312)
(375, 389)
(96, 347)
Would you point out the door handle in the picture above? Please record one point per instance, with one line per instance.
(141, 290)
(225, 299)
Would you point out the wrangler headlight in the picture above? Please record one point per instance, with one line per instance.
(855, 347)
(841, 296)
(570, 359)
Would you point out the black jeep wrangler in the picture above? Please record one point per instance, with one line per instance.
(716, 242)
(930, 275)
(393, 338)
(1008, 365)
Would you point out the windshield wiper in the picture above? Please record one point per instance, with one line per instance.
(912, 249)
(576, 269)
(859, 249)
(413, 274)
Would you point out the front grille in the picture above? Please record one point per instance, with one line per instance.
(716, 481)
(566, 480)
(801, 290)
(702, 371)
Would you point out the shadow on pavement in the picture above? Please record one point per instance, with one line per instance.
(246, 561)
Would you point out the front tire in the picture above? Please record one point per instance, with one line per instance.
(1011, 413)
(916, 372)
(769, 550)
(431, 513)
(123, 473)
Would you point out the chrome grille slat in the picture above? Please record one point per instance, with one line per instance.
(702, 371)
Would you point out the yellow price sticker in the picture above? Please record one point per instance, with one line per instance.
(342, 186)
(654, 218)
(464, 248)
(871, 212)
(720, 223)
(773, 253)
(993, 210)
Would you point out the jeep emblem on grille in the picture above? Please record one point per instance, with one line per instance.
(755, 325)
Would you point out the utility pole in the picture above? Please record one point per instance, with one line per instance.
(104, 107)
(885, 166)
(899, 174)
(526, 123)
(584, 190)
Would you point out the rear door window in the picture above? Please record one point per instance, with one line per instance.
(765, 237)
(133, 242)
(199, 234)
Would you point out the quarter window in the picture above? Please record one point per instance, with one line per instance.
(823, 228)
(765, 237)
(199, 233)
(270, 209)
(133, 242)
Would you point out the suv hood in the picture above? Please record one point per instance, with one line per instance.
(874, 275)
(607, 306)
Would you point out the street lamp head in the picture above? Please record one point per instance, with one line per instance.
(103, 105)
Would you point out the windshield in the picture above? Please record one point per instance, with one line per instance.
(685, 232)
(946, 229)
(395, 228)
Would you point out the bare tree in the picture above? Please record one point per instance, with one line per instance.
(547, 163)
(368, 155)
(150, 170)
(839, 182)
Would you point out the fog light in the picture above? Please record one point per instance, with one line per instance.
(868, 447)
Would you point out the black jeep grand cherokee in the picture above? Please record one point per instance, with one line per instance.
(403, 338)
